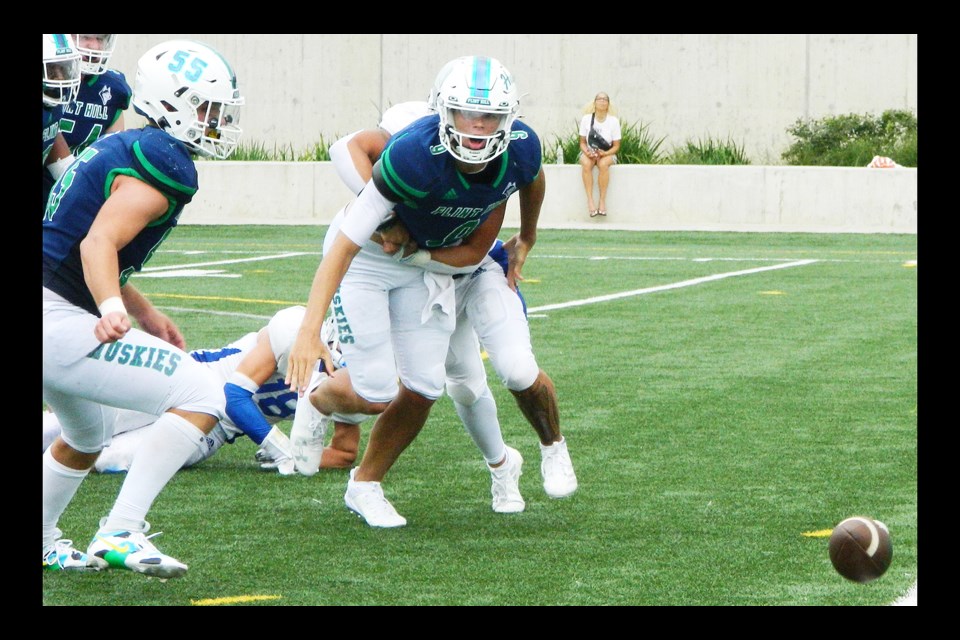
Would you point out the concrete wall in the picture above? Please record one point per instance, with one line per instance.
(644, 197)
(748, 88)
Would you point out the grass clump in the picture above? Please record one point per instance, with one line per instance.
(256, 151)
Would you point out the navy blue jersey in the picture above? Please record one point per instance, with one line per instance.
(51, 126)
(149, 154)
(438, 204)
(101, 100)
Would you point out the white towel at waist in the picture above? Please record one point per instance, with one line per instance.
(441, 299)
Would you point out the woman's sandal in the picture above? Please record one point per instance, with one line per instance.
(595, 213)
(601, 212)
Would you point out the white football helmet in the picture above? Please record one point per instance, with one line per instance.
(93, 61)
(187, 89)
(438, 81)
(61, 69)
(477, 86)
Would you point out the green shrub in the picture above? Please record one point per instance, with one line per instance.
(638, 145)
(851, 140)
(708, 151)
(570, 145)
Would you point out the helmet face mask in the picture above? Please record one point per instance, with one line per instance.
(95, 50)
(188, 90)
(477, 102)
(61, 70)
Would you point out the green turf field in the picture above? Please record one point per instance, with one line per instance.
(727, 398)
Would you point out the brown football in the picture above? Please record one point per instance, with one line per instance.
(860, 548)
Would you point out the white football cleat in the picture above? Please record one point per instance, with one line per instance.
(366, 499)
(505, 484)
(559, 479)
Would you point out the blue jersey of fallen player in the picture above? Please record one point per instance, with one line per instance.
(148, 154)
(438, 204)
(102, 99)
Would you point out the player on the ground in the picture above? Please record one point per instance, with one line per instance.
(256, 361)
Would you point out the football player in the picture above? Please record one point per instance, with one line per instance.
(447, 179)
(106, 215)
(61, 80)
(479, 299)
(98, 107)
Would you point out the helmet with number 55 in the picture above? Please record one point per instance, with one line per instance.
(190, 91)
(477, 88)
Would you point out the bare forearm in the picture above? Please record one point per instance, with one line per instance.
(101, 269)
(136, 303)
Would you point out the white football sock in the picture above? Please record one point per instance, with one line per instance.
(169, 443)
(480, 421)
(60, 484)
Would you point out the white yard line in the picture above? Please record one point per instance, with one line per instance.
(909, 599)
(218, 262)
(666, 287)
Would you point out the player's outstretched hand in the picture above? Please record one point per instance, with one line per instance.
(307, 349)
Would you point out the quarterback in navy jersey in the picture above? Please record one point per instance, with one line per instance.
(486, 309)
(439, 204)
(106, 215)
(448, 177)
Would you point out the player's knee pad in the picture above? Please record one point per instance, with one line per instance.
(465, 393)
(519, 374)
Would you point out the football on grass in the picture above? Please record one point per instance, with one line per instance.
(860, 548)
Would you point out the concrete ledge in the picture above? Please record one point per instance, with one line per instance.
(641, 197)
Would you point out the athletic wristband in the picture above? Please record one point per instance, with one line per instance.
(243, 381)
(114, 303)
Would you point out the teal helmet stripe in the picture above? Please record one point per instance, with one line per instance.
(480, 85)
(60, 39)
